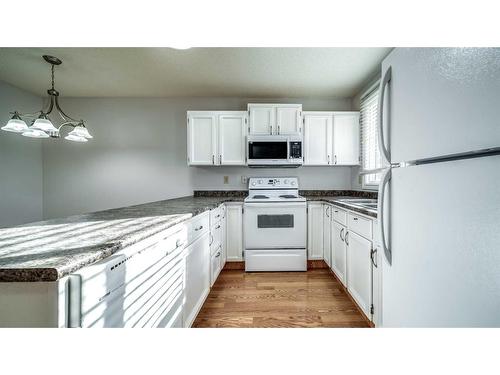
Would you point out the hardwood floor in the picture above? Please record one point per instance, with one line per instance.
(278, 299)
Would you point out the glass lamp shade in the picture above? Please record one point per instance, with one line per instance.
(80, 131)
(43, 124)
(35, 133)
(75, 138)
(15, 125)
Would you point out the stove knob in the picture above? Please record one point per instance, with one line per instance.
(293, 182)
(286, 182)
(253, 183)
(260, 181)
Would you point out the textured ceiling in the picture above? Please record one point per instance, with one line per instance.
(166, 72)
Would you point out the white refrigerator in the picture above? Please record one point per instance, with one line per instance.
(439, 199)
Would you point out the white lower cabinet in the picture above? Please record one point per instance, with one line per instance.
(197, 277)
(359, 270)
(339, 252)
(215, 265)
(234, 232)
(315, 230)
(327, 230)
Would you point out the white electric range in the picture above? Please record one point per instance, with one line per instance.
(275, 225)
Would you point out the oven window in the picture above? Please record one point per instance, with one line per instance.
(267, 150)
(275, 221)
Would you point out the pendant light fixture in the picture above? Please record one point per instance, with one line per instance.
(41, 124)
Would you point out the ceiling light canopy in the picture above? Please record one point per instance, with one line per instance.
(41, 124)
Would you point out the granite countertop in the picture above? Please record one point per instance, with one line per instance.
(48, 250)
(337, 200)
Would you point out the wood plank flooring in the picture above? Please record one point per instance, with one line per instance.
(278, 299)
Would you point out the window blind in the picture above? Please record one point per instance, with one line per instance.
(370, 155)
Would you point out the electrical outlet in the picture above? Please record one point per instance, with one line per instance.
(226, 180)
(244, 180)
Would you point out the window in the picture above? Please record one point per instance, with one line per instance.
(370, 155)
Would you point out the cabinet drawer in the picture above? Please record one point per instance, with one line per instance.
(360, 225)
(197, 226)
(216, 214)
(339, 215)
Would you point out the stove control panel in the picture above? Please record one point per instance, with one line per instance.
(273, 183)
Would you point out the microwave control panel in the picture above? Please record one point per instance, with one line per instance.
(295, 150)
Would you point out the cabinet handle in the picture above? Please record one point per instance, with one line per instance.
(372, 256)
(346, 238)
(326, 211)
(217, 227)
(217, 216)
(335, 159)
(278, 129)
(342, 231)
(220, 159)
(355, 218)
(217, 255)
(328, 159)
(199, 228)
(213, 159)
(211, 240)
(270, 129)
(336, 211)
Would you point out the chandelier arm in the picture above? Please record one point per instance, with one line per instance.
(62, 112)
(29, 115)
(51, 106)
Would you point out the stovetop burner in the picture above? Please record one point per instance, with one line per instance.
(260, 197)
(288, 196)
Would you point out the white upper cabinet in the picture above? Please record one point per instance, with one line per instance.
(217, 137)
(267, 119)
(232, 138)
(262, 119)
(202, 140)
(317, 138)
(346, 138)
(331, 138)
(288, 119)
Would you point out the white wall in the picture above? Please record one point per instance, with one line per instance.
(20, 162)
(139, 154)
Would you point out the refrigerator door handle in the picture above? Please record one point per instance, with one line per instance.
(380, 215)
(380, 115)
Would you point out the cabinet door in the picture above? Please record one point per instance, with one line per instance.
(346, 138)
(232, 138)
(327, 222)
(202, 138)
(359, 270)
(317, 138)
(315, 231)
(288, 119)
(197, 277)
(234, 232)
(262, 119)
(339, 252)
(215, 265)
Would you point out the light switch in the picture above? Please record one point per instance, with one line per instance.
(226, 180)
(244, 180)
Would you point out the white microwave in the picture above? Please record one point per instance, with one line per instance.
(274, 150)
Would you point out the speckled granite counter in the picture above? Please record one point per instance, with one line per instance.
(49, 250)
(337, 200)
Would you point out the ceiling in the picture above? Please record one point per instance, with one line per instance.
(167, 72)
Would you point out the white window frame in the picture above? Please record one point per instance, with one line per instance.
(365, 184)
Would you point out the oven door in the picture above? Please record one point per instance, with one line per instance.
(275, 225)
(267, 151)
